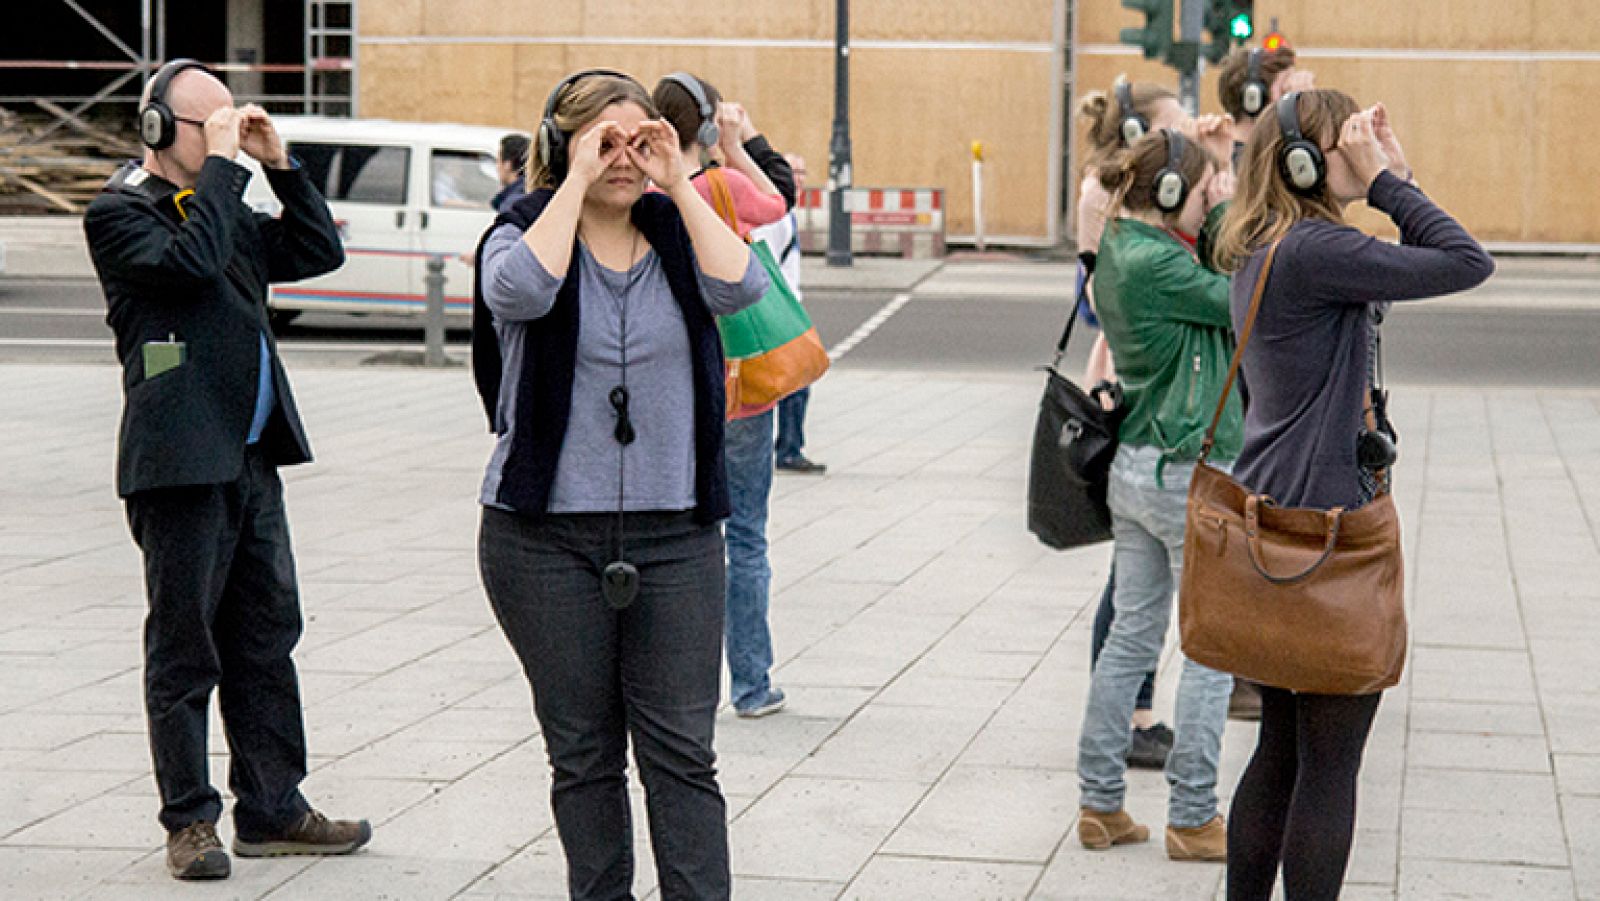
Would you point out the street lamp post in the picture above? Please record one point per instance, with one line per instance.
(839, 171)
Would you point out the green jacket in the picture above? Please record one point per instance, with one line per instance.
(1166, 317)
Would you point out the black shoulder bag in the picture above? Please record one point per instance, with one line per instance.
(1073, 443)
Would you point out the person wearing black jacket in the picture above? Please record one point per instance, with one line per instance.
(208, 418)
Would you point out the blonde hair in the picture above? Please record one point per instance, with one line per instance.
(1103, 119)
(581, 103)
(1132, 181)
(1264, 207)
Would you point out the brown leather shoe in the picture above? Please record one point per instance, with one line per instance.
(1204, 843)
(313, 834)
(194, 852)
(1098, 831)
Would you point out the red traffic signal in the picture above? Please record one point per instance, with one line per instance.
(1274, 41)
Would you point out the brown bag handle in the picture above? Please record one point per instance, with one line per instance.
(1252, 530)
(1238, 351)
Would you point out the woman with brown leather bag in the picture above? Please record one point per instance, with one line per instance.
(1306, 287)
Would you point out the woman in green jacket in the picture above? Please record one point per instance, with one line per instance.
(1164, 310)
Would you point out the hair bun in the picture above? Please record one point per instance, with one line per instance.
(1094, 105)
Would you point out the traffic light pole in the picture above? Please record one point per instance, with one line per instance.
(1191, 21)
(839, 174)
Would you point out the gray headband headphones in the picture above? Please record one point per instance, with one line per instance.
(1130, 125)
(1171, 189)
(1253, 94)
(709, 133)
(1300, 160)
(158, 124)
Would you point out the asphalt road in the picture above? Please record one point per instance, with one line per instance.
(1424, 344)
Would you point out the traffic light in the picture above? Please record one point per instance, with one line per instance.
(1231, 22)
(1155, 38)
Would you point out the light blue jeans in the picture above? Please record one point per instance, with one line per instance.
(748, 446)
(1147, 526)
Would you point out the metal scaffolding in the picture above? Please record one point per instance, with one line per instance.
(328, 70)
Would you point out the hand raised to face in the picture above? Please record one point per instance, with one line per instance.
(1358, 142)
(596, 150)
(654, 149)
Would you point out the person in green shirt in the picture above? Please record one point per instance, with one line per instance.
(1164, 310)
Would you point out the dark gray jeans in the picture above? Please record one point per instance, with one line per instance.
(600, 675)
(225, 615)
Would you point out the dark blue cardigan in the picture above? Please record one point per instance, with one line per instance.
(544, 386)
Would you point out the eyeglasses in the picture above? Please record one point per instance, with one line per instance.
(197, 122)
(619, 402)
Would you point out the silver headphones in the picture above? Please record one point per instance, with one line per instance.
(1171, 189)
(709, 133)
(1300, 161)
(1130, 125)
(158, 124)
(1253, 95)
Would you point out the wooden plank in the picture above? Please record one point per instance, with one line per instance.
(55, 199)
(108, 141)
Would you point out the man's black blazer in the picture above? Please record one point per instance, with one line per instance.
(202, 281)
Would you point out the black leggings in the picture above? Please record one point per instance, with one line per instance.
(1296, 803)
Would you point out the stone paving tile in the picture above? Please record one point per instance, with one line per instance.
(1429, 880)
(990, 814)
(889, 876)
(1531, 837)
(822, 829)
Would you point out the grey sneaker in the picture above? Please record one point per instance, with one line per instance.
(313, 834)
(1150, 747)
(767, 706)
(194, 852)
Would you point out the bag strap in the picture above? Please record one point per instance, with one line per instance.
(1238, 352)
(722, 199)
(1078, 299)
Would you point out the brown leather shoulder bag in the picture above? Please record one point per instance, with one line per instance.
(1304, 599)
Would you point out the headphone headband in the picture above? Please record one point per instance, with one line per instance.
(709, 132)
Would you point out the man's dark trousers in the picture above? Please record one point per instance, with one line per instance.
(224, 613)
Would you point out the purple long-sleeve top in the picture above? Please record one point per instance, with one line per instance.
(1306, 365)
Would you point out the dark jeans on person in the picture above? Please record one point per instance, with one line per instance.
(224, 613)
(792, 425)
(1296, 802)
(1103, 616)
(600, 675)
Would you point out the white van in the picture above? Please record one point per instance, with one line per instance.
(399, 192)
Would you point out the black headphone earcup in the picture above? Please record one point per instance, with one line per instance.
(553, 150)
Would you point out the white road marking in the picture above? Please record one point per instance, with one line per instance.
(865, 329)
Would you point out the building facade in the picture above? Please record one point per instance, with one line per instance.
(1486, 95)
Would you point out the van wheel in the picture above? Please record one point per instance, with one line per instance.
(280, 319)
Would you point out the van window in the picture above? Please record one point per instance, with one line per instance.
(464, 179)
(356, 173)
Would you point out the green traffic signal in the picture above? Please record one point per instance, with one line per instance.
(1241, 27)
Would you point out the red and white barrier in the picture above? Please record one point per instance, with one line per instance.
(908, 222)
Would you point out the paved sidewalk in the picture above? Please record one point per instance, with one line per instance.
(934, 653)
